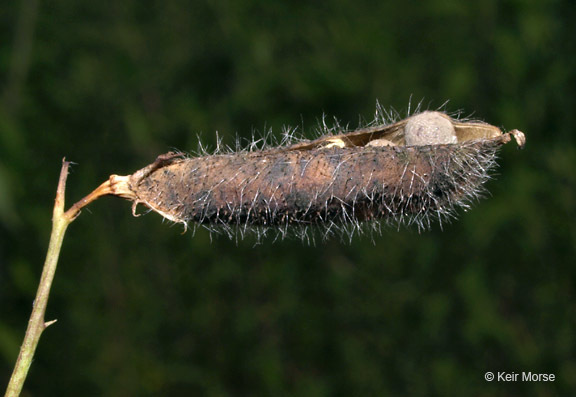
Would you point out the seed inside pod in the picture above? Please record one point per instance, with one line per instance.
(430, 128)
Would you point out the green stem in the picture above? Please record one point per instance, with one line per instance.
(37, 324)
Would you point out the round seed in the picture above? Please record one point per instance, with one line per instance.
(429, 128)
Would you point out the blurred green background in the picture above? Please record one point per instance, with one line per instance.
(144, 310)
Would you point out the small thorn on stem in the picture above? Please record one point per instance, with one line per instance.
(49, 323)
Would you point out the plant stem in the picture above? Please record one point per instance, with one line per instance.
(37, 324)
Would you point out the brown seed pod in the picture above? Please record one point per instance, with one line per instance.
(337, 182)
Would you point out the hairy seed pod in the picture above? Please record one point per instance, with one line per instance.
(411, 171)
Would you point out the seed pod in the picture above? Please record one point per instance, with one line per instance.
(341, 181)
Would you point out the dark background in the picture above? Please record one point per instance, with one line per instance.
(144, 310)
